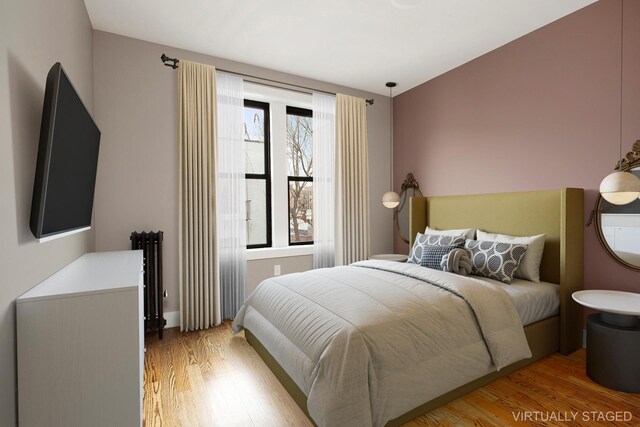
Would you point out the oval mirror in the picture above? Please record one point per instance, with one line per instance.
(409, 189)
(618, 226)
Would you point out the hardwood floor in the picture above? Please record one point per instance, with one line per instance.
(212, 378)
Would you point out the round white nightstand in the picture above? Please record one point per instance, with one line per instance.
(618, 308)
(390, 257)
(613, 338)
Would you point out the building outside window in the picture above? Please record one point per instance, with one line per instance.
(258, 176)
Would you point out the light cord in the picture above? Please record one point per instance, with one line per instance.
(621, 74)
(391, 137)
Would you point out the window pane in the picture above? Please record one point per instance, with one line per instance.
(299, 145)
(300, 211)
(256, 212)
(254, 130)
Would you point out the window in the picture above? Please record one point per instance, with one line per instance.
(278, 138)
(300, 175)
(258, 174)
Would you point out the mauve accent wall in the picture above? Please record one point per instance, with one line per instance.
(541, 112)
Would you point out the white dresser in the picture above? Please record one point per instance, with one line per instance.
(81, 344)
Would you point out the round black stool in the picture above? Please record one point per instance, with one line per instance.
(613, 354)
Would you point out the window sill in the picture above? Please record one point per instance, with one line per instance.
(289, 251)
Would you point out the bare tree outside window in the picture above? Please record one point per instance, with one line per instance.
(300, 174)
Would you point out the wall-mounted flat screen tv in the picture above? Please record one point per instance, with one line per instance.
(67, 161)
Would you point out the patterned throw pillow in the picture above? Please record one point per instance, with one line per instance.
(432, 255)
(495, 260)
(422, 240)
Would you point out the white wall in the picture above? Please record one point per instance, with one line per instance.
(136, 106)
(34, 34)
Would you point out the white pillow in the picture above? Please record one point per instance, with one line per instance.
(529, 267)
(467, 233)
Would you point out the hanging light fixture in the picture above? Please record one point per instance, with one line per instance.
(390, 199)
(620, 187)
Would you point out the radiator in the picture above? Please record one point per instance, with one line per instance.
(151, 245)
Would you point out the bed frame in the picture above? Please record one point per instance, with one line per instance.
(557, 213)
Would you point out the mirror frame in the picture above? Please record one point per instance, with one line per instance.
(409, 183)
(630, 161)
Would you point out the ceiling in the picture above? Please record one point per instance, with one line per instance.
(356, 43)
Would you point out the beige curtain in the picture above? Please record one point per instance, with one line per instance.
(198, 253)
(352, 193)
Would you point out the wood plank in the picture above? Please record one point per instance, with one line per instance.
(212, 377)
(152, 405)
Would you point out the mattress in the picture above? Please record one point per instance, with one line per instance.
(533, 301)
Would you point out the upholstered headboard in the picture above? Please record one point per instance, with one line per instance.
(557, 213)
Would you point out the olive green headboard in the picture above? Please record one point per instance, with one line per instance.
(557, 213)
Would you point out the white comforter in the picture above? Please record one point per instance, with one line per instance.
(370, 341)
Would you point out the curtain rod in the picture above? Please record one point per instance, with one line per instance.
(173, 63)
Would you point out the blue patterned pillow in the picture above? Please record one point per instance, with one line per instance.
(432, 255)
(495, 260)
(423, 240)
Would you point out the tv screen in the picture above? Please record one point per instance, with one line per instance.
(67, 161)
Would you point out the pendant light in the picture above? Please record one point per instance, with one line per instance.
(620, 187)
(390, 199)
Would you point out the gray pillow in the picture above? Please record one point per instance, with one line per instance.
(495, 260)
(530, 265)
(458, 261)
(422, 240)
(432, 255)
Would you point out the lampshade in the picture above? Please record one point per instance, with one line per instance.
(620, 188)
(390, 199)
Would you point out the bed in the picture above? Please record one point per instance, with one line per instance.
(410, 339)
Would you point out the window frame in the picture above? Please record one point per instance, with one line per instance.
(266, 176)
(302, 112)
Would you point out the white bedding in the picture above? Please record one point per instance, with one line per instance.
(368, 342)
(534, 301)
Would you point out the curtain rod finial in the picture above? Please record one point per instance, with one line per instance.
(164, 58)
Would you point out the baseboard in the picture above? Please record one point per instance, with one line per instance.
(172, 318)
